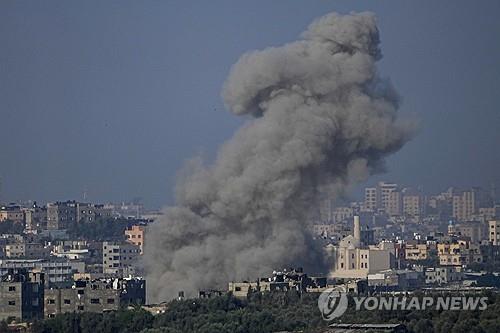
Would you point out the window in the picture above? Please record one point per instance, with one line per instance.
(51, 301)
(67, 301)
(12, 302)
(95, 301)
(12, 288)
(80, 308)
(51, 315)
(111, 301)
(81, 292)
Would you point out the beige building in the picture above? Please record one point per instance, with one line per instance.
(13, 251)
(394, 204)
(413, 204)
(12, 213)
(354, 260)
(461, 253)
(467, 203)
(494, 232)
(136, 235)
(474, 230)
(416, 252)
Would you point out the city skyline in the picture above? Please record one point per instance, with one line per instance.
(137, 101)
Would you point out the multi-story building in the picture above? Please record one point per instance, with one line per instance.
(356, 260)
(119, 257)
(12, 213)
(460, 253)
(494, 232)
(443, 275)
(293, 279)
(55, 271)
(467, 203)
(94, 296)
(21, 295)
(474, 230)
(136, 235)
(413, 203)
(85, 212)
(61, 215)
(394, 204)
(35, 218)
(384, 190)
(416, 252)
(102, 212)
(371, 203)
(340, 214)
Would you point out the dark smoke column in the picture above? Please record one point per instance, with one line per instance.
(323, 121)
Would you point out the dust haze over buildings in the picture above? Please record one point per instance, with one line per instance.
(322, 120)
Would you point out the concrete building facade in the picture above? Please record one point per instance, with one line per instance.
(21, 295)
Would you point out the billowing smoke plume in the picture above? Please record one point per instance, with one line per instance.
(323, 120)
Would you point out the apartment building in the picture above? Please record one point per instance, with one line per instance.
(135, 234)
(55, 271)
(460, 253)
(61, 215)
(118, 257)
(21, 295)
(11, 213)
(96, 296)
(443, 275)
(417, 252)
(494, 232)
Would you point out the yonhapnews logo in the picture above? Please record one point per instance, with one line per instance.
(333, 303)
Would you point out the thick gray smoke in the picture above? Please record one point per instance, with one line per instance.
(323, 120)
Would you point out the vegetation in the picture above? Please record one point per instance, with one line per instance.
(101, 229)
(270, 312)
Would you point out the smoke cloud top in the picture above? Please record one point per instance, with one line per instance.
(322, 121)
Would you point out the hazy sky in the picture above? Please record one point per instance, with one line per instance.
(112, 97)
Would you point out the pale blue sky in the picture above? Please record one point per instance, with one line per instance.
(113, 96)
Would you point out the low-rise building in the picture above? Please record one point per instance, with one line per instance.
(11, 213)
(293, 279)
(459, 253)
(392, 280)
(94, 296)
(443, 275)
(55, 271)
(416, 252)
